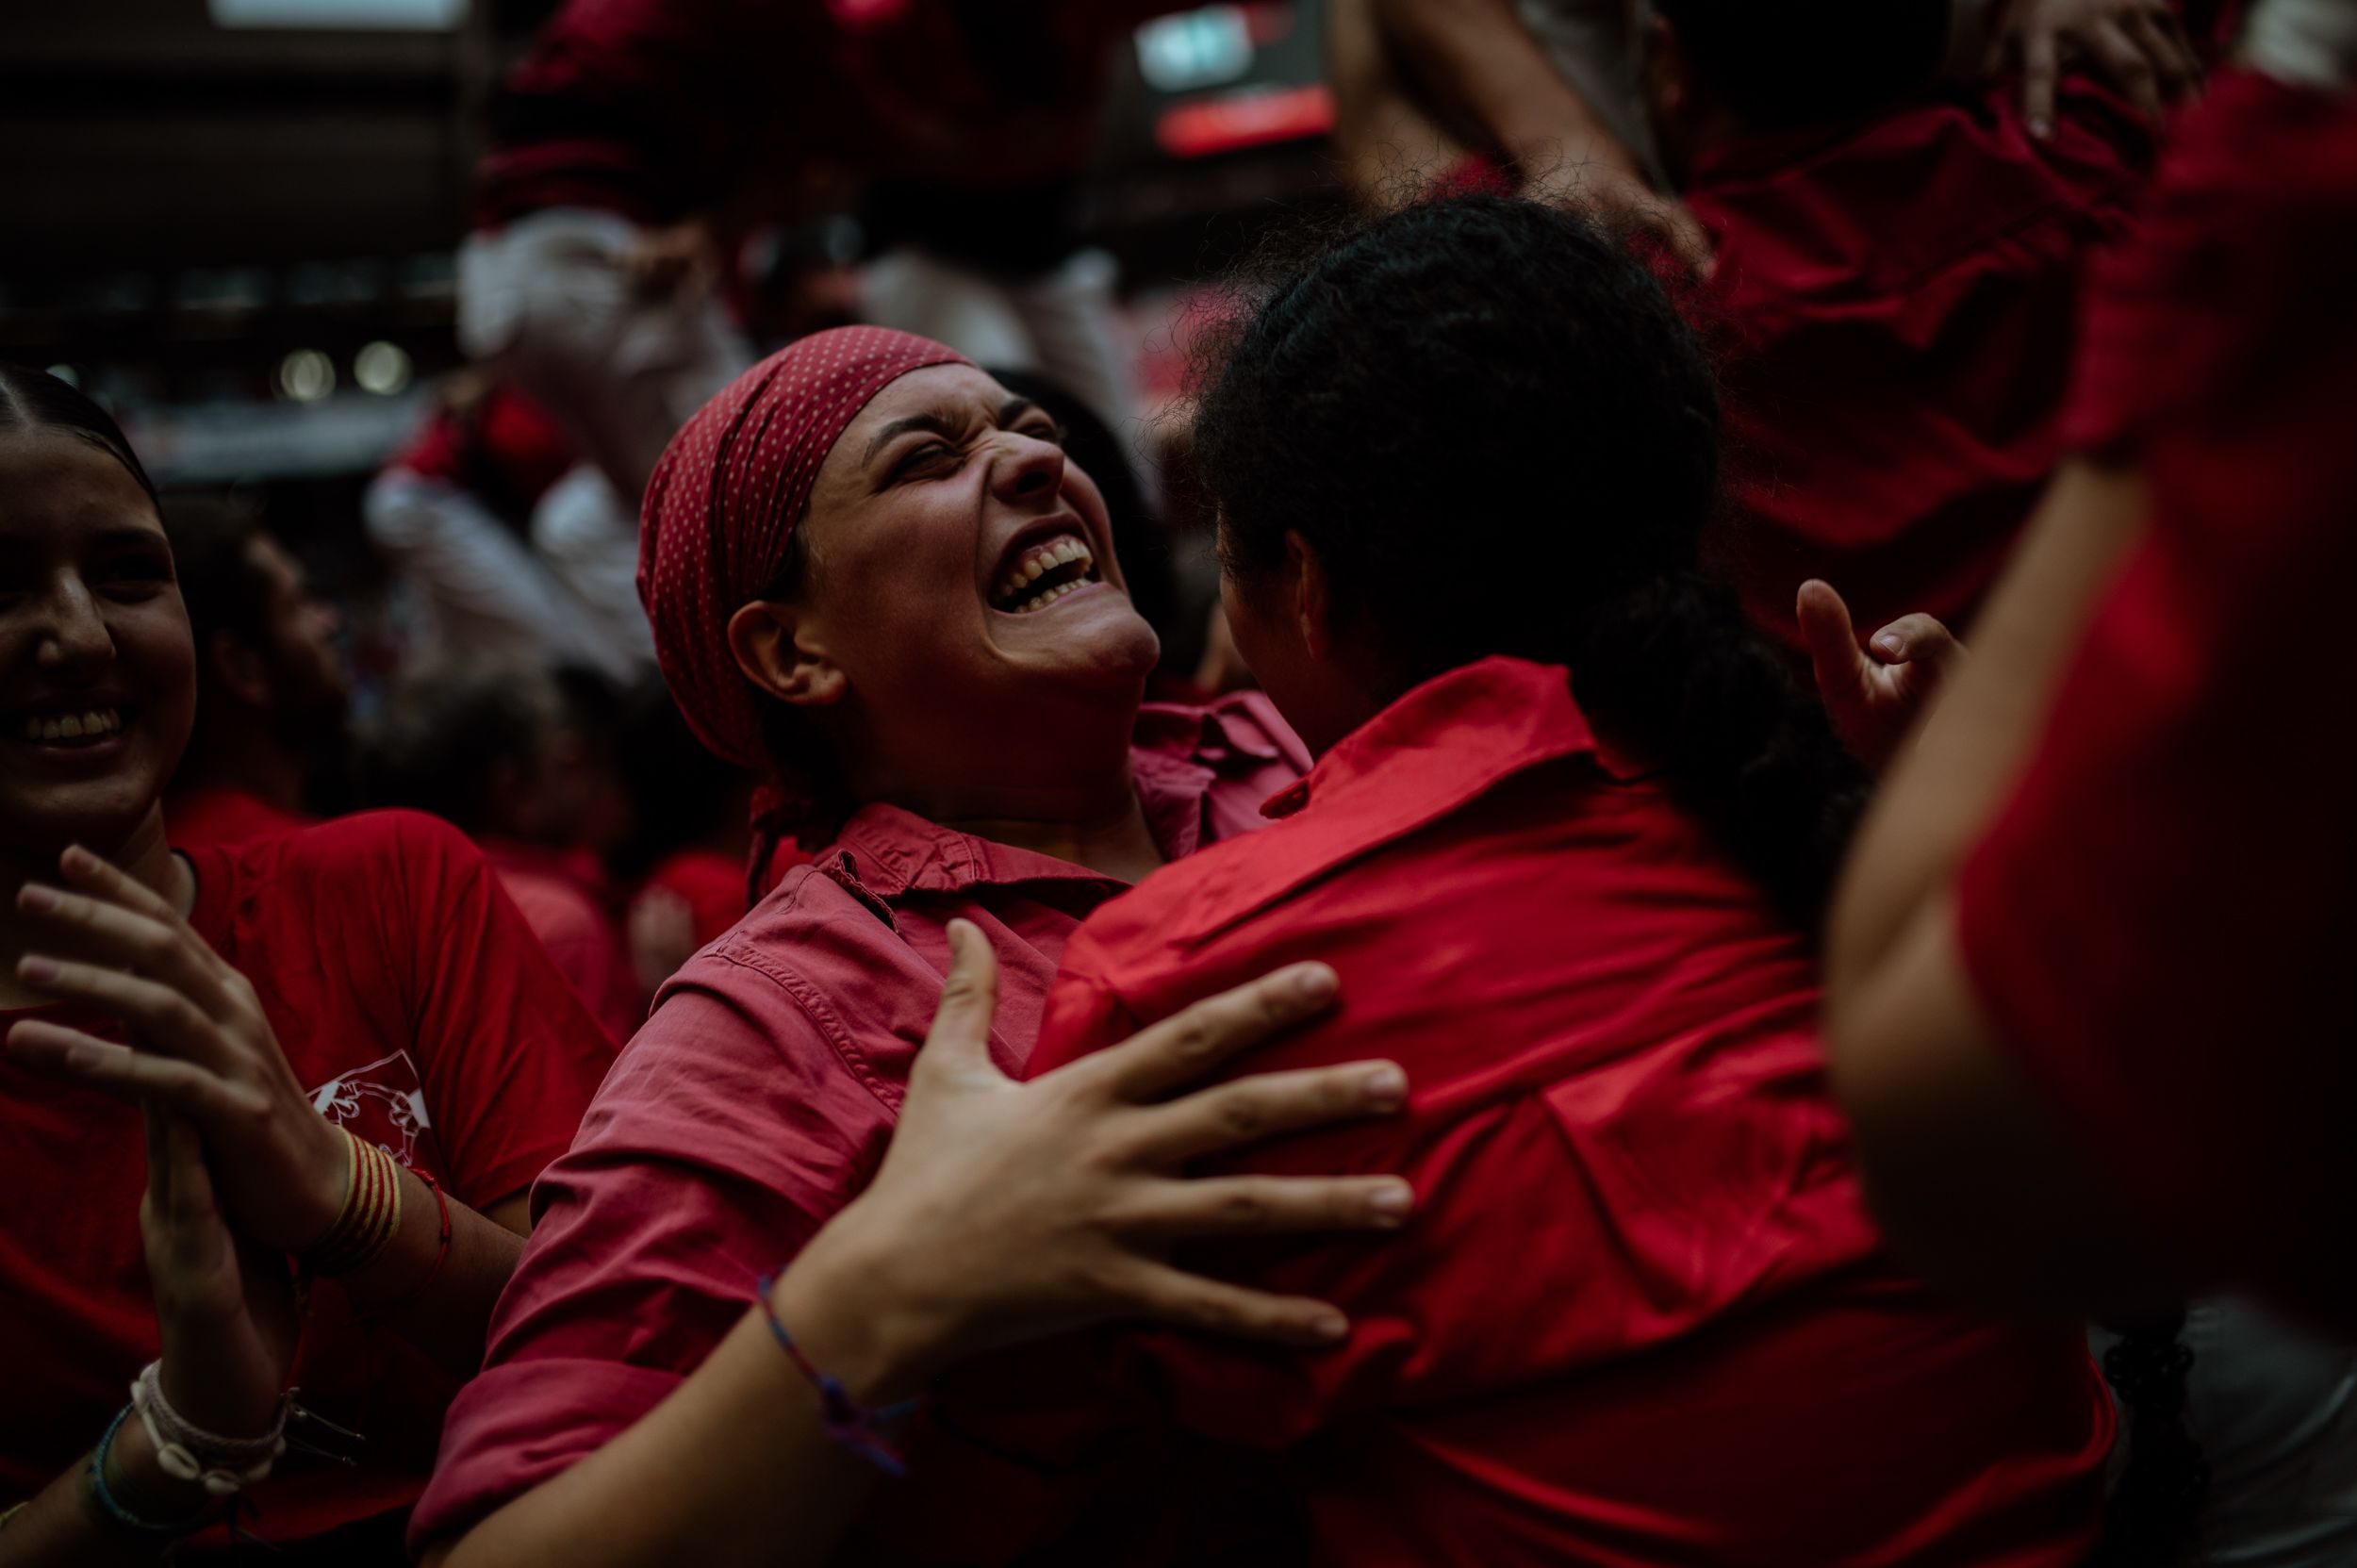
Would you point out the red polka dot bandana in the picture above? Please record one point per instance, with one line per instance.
(725, 497)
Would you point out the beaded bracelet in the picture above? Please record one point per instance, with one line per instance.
(112, 1512)
(371, 1216)
(847, 1423)
(186, 1452)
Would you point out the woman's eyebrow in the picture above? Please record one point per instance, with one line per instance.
(938, 424)
(1014, 409)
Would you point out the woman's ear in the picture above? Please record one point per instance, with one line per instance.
(1309, 591)
(777, 655)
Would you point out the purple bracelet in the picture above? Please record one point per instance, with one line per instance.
(847, 1423)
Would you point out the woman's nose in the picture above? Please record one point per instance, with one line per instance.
(76, 632)
(1026, 468)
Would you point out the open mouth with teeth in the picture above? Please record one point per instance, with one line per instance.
(1043, 573)
(86, 728)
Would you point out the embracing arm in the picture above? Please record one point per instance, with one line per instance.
(1002, 1212)
(1967, 1167)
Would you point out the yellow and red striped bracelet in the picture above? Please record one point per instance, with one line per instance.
(371, 1216)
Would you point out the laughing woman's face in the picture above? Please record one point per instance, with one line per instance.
(98, 674)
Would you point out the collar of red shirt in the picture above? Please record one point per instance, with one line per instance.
(1435, 750)
(1178, 753)
(1451, 740)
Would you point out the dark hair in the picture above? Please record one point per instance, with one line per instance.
(1814, 62)
(2154, 1516)
(1499, 436)
(212, 551)
(445, 731)
(35, 400)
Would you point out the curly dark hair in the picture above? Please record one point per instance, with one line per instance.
(1499, 436)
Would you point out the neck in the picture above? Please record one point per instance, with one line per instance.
(1117, 843)
(1080, 805)
(143, 853)
(243, 751)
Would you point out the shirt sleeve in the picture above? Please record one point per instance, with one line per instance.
(509, 1055)
(727, 1134)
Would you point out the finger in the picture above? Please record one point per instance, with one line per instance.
(1228, 1115)
(192, 1196)
(1185, 1047)
(2122, 59)
(70, 1056)
(1164, 1295)
(161, 1017)
(959, 1038)
(101, 878)
(2176, 69)
(1830, 638)
(1912, 637)
(2041, 66)
(154, 1123)
(104, 932)
(1267, 1205)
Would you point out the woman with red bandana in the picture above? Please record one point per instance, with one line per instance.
(873, 576)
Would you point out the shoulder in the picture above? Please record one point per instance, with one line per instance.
(810, 976)
(375, 863)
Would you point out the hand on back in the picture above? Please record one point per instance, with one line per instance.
(1010, 1211)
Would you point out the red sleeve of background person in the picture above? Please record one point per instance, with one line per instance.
(582, 939)
(1893, 316)
(414, 1008)
(2160, 921)
(711, 884)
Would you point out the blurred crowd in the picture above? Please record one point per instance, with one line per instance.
(1662, 882)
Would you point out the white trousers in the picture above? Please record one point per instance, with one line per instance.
(547, 300)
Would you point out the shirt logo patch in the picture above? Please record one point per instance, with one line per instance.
(384, 1102)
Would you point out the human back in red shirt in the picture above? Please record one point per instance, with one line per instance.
(1563, 843)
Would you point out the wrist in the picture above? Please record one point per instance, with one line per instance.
(135, 1479)
(847, 1308)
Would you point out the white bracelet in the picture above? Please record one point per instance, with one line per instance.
(189, 1452)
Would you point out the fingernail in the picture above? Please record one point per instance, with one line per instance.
(1391, 1200)
(1313, 983)
(1890, 644)
(1331, 1326)
(34, 896)
(38, 970)
(76, 858)
(1387, 1085)
(2041, 127)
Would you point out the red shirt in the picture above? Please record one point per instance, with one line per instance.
(710, 883)
(759, 1098)
(1640, 1316)
(569, 915)
(1892, 312)
(412, 1002)
(2160, 921)
(223, 815)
